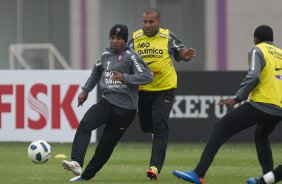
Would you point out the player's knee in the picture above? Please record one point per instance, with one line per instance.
(83, 126)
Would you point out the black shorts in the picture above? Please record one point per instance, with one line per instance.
(154, 109)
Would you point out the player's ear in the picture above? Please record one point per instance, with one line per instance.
(256, 40)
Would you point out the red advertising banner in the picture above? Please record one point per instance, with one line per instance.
(41, 104)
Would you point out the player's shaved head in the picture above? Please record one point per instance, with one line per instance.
(151, 11)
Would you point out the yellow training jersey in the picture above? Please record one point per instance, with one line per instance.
(269, 88)
(154, 51)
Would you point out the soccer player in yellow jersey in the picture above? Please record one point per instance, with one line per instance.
(263, 85)
(158, 48)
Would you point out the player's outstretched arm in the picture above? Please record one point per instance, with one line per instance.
(228, 102)
(187, 54)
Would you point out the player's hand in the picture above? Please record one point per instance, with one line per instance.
(187, 54)
(82, 97)
(116, 76)
(227, 102)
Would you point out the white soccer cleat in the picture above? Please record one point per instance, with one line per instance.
(77, 178)
(72, 166)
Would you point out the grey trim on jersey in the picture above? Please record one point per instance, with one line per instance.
(256, 64)
(174, 46)
(135, 71)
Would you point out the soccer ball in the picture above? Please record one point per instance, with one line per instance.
(39, 151)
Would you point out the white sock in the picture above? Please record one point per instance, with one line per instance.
(269, 177)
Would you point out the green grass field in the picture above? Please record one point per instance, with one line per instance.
(233, 164)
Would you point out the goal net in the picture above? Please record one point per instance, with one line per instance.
(36, 56)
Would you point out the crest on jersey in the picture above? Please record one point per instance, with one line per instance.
(120, 57)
